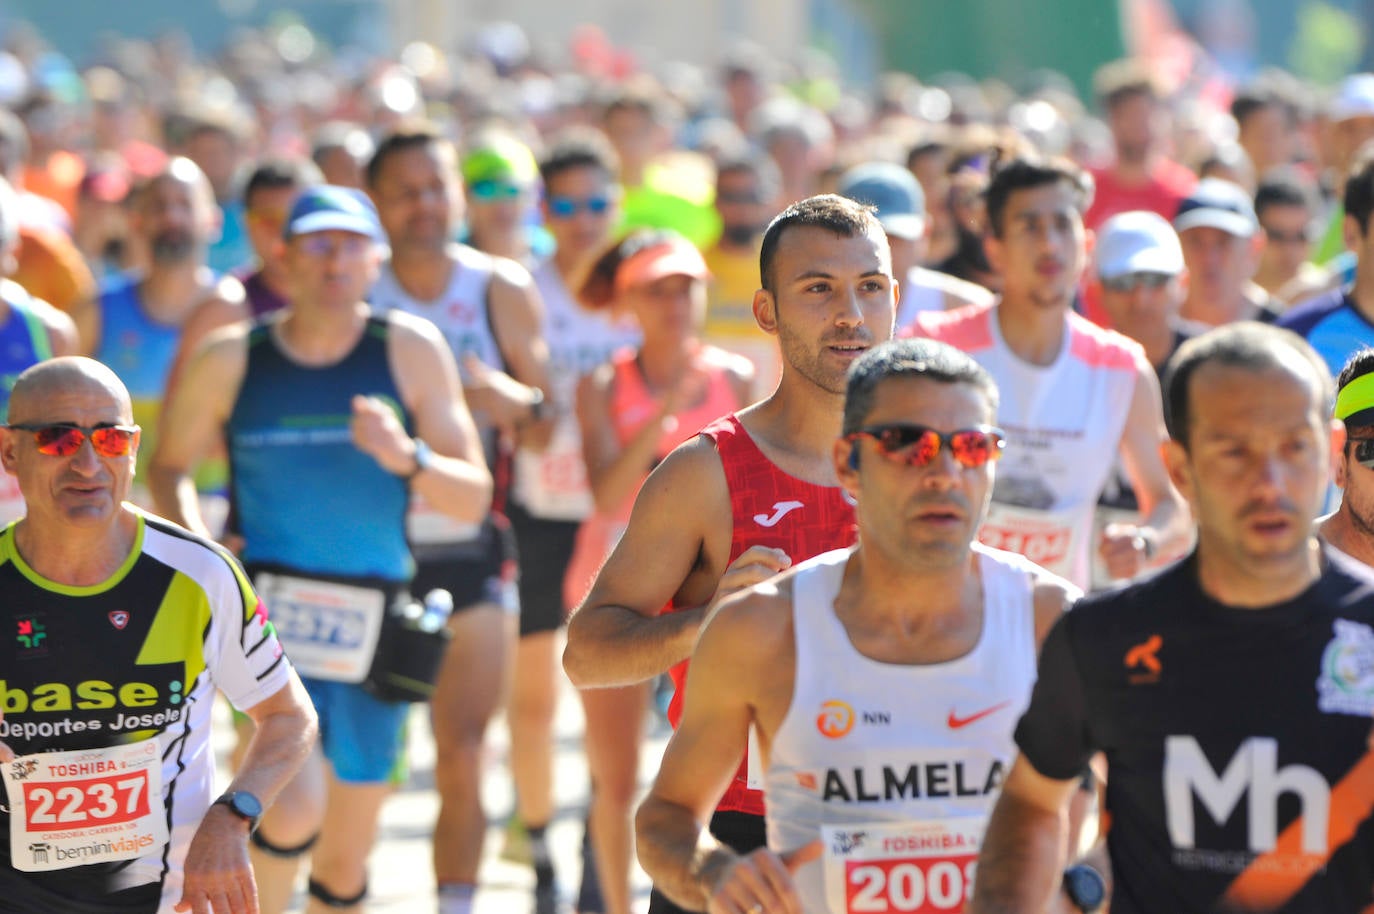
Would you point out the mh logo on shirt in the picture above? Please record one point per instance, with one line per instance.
(1253, 772)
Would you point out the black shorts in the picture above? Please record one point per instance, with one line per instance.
(546, 547)
(739, 831)
(481, 571)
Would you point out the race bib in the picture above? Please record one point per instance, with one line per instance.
(85, 806)
(1049, 539)
(330, 630)
(552, 484)
(426, 526)
(753, 764)
(901, 868)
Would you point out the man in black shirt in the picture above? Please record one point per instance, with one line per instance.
(1231, 693)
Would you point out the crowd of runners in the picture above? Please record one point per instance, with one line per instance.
(973, 476)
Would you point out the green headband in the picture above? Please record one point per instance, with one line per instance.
(1355, 397)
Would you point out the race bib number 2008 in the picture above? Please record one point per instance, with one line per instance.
(85, 806)
(909, 868)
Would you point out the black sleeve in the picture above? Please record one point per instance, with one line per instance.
(1053, 733)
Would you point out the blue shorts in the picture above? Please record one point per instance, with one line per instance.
(362, 736)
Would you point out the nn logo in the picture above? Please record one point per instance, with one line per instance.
(1252, 773)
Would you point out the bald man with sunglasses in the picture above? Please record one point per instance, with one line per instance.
(865, 783)
(124, 626)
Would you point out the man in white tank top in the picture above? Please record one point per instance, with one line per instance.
(882, 681)
(1073, 394)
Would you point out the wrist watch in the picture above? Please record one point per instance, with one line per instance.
(424, 456)
(1086, 888)
(242, 804)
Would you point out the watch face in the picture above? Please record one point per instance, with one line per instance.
(246, 805)
(1085, 887)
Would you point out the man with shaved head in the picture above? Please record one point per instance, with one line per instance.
(124, 626)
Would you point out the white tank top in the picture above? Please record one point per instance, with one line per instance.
(896, 767)
(460, 313)
(552, 484)
(1063, 422)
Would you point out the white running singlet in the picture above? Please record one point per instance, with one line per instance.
(460, 313)
(552, 484)
(896, 767)
(1063, 423)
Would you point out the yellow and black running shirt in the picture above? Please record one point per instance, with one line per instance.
(137, 657)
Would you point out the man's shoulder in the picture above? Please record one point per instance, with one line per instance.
(1101, 347)
(1140, 606)
(1303, 318)
(968, 328)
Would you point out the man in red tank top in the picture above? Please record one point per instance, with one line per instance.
(755, 492)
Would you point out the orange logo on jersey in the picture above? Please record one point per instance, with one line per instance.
(1144, 660)
(836, 719)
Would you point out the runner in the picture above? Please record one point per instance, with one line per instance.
(756, 491)
(549, 496)
(1350, 528)
(142, 621)
(1073, 395)
(633, 411)
(823, 660)
(1239, 672)
(1221, 241)
(316, 404)
(137, 323)
(488, 311)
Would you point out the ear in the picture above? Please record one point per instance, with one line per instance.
(846, 459)
(996, 253)
(766, 311)
(1340, 466)
(8, 452)
(1352, 233)
(1176, 463)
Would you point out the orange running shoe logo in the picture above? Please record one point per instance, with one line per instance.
(1143, 660)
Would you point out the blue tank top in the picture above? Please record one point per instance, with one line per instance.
(303, 496)
(23, 341)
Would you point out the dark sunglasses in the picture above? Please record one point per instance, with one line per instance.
(1363, 451)
(1128, 282)
(567, 207)
(63, 439)
(918, 445)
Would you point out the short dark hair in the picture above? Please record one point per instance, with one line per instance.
(1267, 91)
(1359, 192)
(1357, 366)
(583, 147)
(838, 215)
(1284, 187)
(280, 174)
(415, 135)
(1245, 344)
(910, 358)
(1027, 172)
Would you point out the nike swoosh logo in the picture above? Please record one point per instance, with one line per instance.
(780, 510)
(956, 722)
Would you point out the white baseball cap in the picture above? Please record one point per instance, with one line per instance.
(1137, 242)
(1355, 98)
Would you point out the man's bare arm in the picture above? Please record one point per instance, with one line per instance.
(191, 421)
(1163, 512)
(517, 319)
(217, 864)
(1022, 859)
(675, 846)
